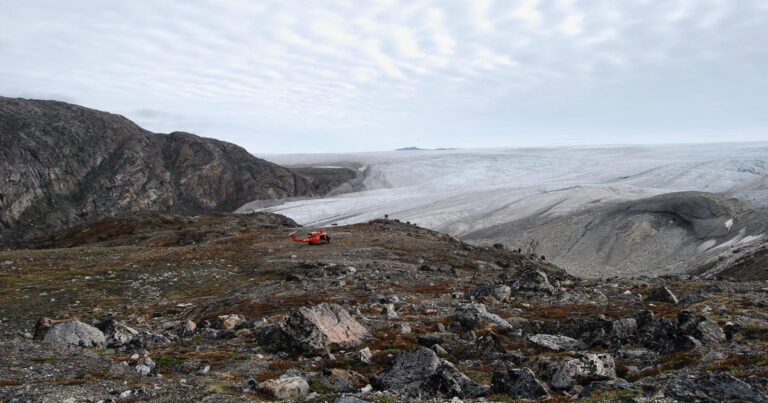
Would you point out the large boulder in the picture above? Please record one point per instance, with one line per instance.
(583, 370)
(712, 387)
(314, 330)
(662, 294)
(116, 333)
(407, 369)
(704, 330)
(448, 382)
(557, 343)
(76, 333)
(498, 292)
(474, 316)
(519, 384)
(420, 372)
(532, 279)
(339, 380)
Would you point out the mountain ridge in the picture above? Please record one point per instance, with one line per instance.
(65, 164)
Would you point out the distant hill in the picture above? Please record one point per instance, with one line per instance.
(423, 149)
(63, 164)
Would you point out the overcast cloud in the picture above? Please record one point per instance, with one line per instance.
(304, 76)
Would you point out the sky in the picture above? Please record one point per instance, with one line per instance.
(346, 76)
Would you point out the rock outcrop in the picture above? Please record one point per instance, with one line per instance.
(64, 164)
(75, 333)
(314, 330)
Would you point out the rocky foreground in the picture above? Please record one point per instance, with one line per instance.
(227, 308)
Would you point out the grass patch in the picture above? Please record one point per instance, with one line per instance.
(742, 365)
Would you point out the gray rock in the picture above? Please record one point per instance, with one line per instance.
(143, 370)
(314, 330)
(587, 368)
(624, 328)
(75, 333)
(713, 387)
(498, 292)
(473, 316)
(640, 358)
(389, 311)
(531, 280)
(365, 356)
(116, 333)
(227, 322)
(148, 339)
(439, 350)
(447, 382)
(250, 386)
(557, 343)
(662, 294)
(408, 368)
(285, 388)
(704, 330)
(488, 346)
(350, 399)
(518, 384)
(340, 380)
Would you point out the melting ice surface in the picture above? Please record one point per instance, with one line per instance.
(459, 191)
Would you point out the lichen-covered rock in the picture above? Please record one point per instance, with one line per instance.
(587, 368)
(285, 388)
(663, 294)
(227, 322)
(473, 316)
(75, 333)
(410, 367)
(314, 330)
(557, 342)
(713, 387)
(448, 382)
(341, 381)
(518, 384)
(420, 372)
(702, 329)
(116, 333)
(531, 280)
(499, 292)
(148, 339)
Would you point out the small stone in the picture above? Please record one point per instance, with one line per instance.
(286, 388)
(389, 311)
(365, 356)
(143, 370)
(439, 350)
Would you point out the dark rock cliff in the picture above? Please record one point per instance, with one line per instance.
(63, 164)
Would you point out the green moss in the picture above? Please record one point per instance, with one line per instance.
(168, 363)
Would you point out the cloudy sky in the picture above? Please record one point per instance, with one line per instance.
(315, 76)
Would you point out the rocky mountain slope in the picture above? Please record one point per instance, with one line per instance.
(665, 234)
(226, 308)
(62, 164)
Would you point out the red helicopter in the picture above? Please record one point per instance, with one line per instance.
(314, 238)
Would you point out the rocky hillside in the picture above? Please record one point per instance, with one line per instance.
(227, 308)
(666, 234)
(62, 164)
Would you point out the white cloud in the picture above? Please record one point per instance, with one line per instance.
(572, 25)
(243, 71)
